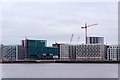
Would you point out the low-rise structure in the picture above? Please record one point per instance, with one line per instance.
(90, 52)
(113, 53)
(58, 45)
(1, 51)
(12, 52)
(8, 52)
(83, 52)
(68, 52)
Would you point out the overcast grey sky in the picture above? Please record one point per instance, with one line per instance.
(57, 21)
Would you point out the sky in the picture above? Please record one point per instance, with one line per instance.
(57, 21)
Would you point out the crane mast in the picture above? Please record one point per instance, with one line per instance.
(85, 27)
(71, 38)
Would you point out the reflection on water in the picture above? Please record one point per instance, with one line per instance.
(54, 70)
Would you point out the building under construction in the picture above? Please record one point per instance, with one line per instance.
(95, 40)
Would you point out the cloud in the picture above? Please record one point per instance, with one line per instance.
(57, 21)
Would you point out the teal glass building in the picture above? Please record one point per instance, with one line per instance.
(37, 49)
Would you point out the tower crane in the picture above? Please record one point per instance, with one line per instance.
(78, 40)
(85, 27)
(71, 38)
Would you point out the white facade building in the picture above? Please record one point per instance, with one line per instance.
(113, 52)
(83, 52)
(90, 52)
(68, 52)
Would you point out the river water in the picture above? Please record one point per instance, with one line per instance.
(57, 70)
